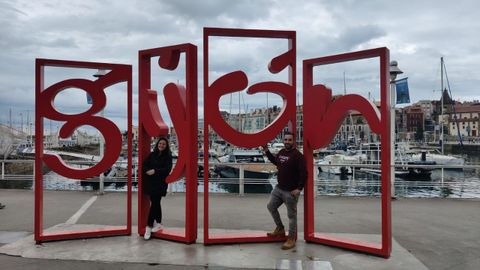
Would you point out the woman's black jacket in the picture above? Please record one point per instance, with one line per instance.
(155, 184)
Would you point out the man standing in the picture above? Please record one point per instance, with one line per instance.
(291, 176)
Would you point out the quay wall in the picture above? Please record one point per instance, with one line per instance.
(469, 149)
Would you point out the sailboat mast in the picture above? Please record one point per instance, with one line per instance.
(441, 90)
(345, 124)
(352, 130)
(10, 118)
(268, 113)
(239, 115)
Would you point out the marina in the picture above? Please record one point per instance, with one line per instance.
(454, 181)
(103, 105)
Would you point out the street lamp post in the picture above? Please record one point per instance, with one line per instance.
(394, 71)
(99, 74)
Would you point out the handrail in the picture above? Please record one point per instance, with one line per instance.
(359, 165)
(243, 181)
(367, 165)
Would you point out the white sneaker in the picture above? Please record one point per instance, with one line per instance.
(157, 227)
(148, 233)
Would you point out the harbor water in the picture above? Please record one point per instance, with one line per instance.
(454, 184)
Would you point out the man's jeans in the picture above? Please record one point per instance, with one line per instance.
(277, 198)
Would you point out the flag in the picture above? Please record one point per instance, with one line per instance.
(89, 99)
(402, 91)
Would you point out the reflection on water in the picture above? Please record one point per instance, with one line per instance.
(455, 184)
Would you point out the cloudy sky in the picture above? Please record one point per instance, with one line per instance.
(417, 33)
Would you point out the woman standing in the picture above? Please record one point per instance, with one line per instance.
(156, 168)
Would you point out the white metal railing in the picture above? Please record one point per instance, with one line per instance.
(241, 181)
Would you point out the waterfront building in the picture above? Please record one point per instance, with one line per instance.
(423, 117)
(415, 118)
(465, 120)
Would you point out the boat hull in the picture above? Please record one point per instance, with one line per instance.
(226, 171)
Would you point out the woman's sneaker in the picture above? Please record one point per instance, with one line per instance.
(148, 233)
(157, 227)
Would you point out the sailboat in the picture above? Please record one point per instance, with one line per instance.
(441, 158)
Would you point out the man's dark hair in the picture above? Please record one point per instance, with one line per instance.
(288, 133)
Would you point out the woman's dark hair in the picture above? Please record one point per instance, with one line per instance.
(167, 150)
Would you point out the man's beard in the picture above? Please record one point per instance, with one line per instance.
(288, 146)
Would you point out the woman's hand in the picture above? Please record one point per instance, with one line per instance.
(150, 172)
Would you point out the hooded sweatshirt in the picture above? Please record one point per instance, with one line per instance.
(292, 170)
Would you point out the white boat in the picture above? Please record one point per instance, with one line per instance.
(428, 155)
(439, 159)
(256, 171)
(405, 153)
(343, 159)
(212, 160)
(276, 147)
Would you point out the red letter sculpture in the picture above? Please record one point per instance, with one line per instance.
(237, 81)
(44, 108)
(321, 115)
(182, 107)
(322, 118)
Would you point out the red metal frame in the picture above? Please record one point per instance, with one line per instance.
(182, 107)
(322, 118)
(237, 81)
(113, 138)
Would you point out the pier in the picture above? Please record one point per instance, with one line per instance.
(467, 148)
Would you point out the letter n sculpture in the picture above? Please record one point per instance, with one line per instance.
(322, 119)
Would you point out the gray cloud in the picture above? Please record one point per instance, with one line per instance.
(417, 33)
(209, 11)
(352, 37)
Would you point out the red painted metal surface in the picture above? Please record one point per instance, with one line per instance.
(237, 81)
(44, 109)
(182, 106)
(322, 118)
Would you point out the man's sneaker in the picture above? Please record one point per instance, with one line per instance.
(279, 231)
(290, 243)
(148, 233)
(157, 227)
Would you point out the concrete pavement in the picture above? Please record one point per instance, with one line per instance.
(428, 234)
